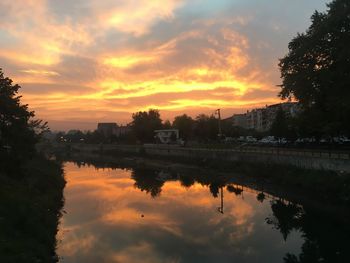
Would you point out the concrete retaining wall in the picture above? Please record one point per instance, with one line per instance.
(334, 161)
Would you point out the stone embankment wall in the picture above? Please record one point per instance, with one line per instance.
(310, 159)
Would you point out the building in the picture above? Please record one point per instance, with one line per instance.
(122, 130)
(256, 119)
(239, 120)
(167, 136)
(261, 119)
(112, 129)
(290, 109)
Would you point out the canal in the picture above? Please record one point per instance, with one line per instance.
(151, 215)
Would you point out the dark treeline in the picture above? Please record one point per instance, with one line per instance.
(203, 128)
(31, 186)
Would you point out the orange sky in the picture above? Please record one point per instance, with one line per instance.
(84, 61)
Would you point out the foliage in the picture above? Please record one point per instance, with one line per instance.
(206, 127)
(316, 71)
(167, 125)
(144, 123)
(282, 125)
(18, 130)
(185, 125)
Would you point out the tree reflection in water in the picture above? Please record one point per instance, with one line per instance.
(325, 239)
(148, 180)
(285, 217)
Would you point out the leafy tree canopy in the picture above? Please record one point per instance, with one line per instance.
(280, 126)
(144, 123)
(185, 124)
(316, 69)
(206, 127)
(18, 129)
(167, 125)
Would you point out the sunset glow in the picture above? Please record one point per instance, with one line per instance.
(87, 61)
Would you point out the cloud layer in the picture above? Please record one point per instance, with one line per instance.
(88, 61)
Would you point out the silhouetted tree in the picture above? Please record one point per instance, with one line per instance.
(185, 125)
(279, 127)
(144, 123)
(75, 136)
(206, 127)
(19, 131)
(167, 125)
(94, 137)
(316, 71)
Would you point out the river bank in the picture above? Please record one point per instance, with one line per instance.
(31, 201)
(338, 161)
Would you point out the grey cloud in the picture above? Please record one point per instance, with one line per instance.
(41, 89)
(76, 69)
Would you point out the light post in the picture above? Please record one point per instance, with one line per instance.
(219, 120)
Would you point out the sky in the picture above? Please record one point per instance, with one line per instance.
(86, 61)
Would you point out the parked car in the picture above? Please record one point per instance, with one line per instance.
(241, 139)
(268, 140)
(250, 139)
(305, 140)
(341, 139)
(229, 139)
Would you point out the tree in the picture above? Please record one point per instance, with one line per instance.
(279, 127)
(19, 131)
(144, 123)
(206, 127)
(185, 125)
(167, 124)
(316, 70)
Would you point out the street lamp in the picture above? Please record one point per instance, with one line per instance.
(219, 120)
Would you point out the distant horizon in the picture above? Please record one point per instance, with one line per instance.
(63, 125)
(66, 125)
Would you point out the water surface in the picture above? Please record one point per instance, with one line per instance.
(149, 215)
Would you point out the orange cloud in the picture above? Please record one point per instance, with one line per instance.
(137, 17)
(115, 60)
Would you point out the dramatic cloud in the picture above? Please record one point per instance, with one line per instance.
(89, 60)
